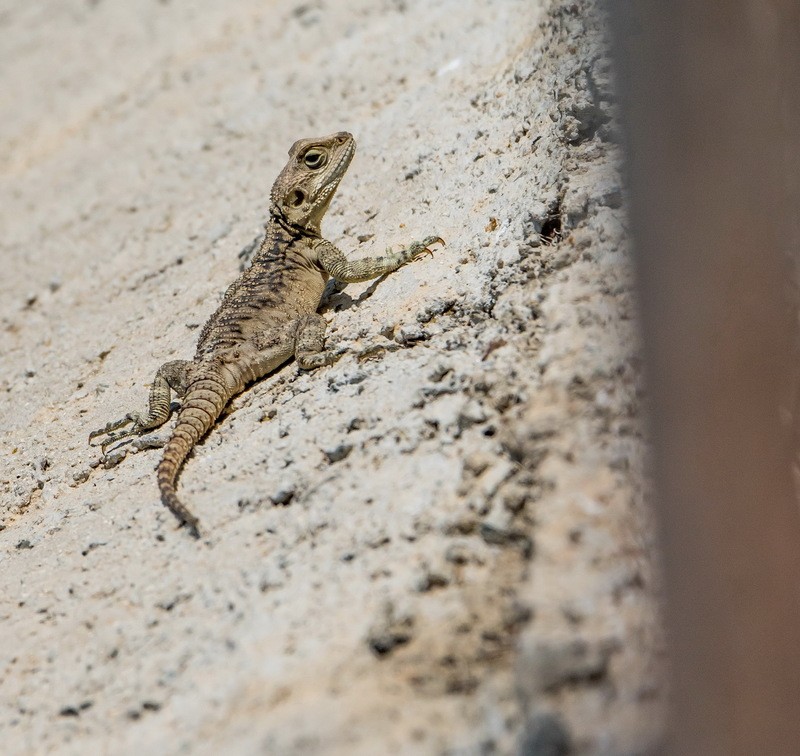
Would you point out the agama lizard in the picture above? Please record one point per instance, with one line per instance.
(267, 315)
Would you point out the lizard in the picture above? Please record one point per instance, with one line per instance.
(268, 315)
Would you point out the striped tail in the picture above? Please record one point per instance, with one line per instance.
(205, 398)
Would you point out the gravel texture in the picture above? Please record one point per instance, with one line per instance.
(438, 545)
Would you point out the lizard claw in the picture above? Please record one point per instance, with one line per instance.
(418, 249)
(111, 436)
(430, 241)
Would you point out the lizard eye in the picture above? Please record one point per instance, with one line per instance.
(315, 159)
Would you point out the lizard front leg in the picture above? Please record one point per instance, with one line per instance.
(309, 350)
(171, 375)
(339, 267)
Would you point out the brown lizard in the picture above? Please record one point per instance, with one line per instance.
(268, 315)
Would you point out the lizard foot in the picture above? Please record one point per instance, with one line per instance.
(317, 360)
(416, 250)
(112, 432)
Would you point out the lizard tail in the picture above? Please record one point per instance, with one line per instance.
(205, 398)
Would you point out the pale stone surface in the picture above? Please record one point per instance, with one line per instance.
(437, 545)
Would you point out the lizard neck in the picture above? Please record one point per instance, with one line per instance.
(278, 218)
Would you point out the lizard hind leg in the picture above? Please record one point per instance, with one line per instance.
(170, 376)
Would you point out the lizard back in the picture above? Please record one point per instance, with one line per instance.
(282, 284)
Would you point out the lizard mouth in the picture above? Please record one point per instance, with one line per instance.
(337, 171)
(342, 163)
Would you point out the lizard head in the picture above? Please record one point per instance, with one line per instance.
(304, 189)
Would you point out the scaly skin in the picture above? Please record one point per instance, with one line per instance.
(268, 315)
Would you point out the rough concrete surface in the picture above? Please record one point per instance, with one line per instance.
(439, 544)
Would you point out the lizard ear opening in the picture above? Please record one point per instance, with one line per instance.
(296, 198)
